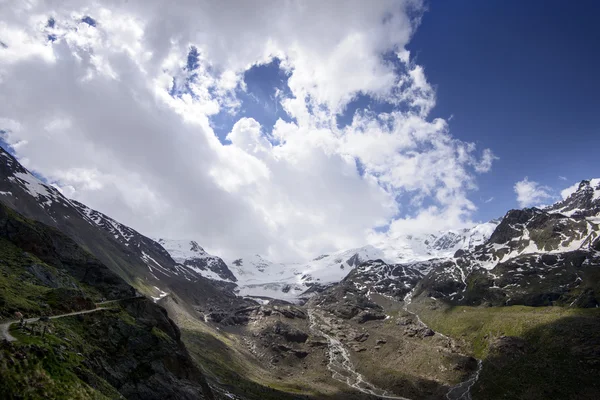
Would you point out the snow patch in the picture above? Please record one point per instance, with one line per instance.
(161, 294)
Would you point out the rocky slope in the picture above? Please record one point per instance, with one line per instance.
(131, 349)
(534, 257)
(23, 192)
(581, 202)
(139, 260)
(62, 264)
(258, 276)
(190, 255)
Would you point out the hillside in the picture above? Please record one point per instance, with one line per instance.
(510, 304)
(126, 349)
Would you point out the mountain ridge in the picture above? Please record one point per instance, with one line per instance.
(365, 323)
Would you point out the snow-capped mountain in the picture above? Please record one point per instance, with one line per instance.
(139, 260)
(192, 256)
(540, 240)
(442, 244)
(534, 257)
(258, 276)
(530, 256)
(584, 201)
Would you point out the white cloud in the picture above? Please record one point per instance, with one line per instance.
(562, 178)
(485, 164)
(530, 193)
(569, 191)
(92, 112)
(489, 200)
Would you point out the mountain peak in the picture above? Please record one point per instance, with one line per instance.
(191, 255)
(580, 200)
(196, 247)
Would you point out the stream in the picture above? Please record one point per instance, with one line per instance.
(462, 391)
(342, 368)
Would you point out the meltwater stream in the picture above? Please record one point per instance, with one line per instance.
(462, 391)
(342, 368)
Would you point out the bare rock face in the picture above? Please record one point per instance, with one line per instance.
(361, 337)
(369, 315)
(290, 333)
(584, 202)
(535, 257)
(509, 346)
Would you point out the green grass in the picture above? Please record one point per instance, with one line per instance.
(41, 368)
(17, 291)
(35, 367)
(21, 291)
(218, 363)
(559, 356)
(161, 334)
(479, 325)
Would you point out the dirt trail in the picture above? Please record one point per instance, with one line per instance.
(5, 326)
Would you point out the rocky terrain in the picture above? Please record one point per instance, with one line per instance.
(137, 259)
(533, 258)
(192, 256)
(128, 349)
(506, 309)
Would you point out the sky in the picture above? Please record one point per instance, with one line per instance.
(297, 128)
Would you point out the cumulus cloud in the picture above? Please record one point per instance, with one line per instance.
(530, 193)
(485, 164)
(118, 114)
(569, 191)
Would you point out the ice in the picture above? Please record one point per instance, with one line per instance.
(33, 185)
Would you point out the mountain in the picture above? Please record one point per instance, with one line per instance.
(584, 201)
(100, 235)
(139, 260)
(190, 255)
(531, 257)
(534, 257)
(125, 348)
(260, 277)
(441, 244)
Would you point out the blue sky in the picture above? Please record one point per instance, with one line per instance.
(518, 77)
(236, 128)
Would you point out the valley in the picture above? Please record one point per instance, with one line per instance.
(506, 309)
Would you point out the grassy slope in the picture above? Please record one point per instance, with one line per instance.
(54, 366)
(559, 358)
(17, 293)
(35, 367)
(49, 367)
(21, 291)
